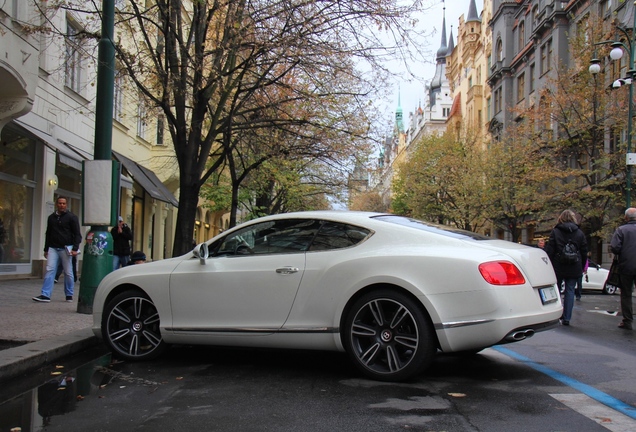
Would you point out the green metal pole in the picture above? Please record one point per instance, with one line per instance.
(96, 266)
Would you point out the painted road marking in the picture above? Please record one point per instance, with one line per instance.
(588, 390)
(601, 414)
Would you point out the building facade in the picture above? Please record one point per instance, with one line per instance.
(47, 105)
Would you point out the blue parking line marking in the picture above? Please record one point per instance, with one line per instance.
(590, 391)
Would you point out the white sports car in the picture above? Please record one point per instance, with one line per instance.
(389, 290)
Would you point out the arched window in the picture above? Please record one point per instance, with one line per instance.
(499, 50)
(522, 37)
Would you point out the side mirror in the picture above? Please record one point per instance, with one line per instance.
(201, 252)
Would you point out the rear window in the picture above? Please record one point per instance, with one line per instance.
(431, 227)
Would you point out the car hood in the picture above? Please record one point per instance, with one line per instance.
(156, 267)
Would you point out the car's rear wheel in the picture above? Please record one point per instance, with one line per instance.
(130, 326)
(389, 336)
(609, 289)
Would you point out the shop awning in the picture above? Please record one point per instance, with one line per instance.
(147, 179)
(68, 155)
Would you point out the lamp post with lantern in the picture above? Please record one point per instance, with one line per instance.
(618, 48)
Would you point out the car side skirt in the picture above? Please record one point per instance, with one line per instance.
(248, 330)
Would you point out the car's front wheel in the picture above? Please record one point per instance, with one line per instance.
(609, 289)
(388, 336)
(130, 326)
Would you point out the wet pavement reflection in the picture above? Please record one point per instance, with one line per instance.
(31, 403)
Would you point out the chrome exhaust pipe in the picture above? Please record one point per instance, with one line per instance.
(520, 335)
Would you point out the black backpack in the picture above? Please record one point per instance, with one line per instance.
(570, 253)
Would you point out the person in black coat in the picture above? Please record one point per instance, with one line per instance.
(61, 242)
(624, 246)
(122, 235)
(569, 271)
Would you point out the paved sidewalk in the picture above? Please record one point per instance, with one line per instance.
(50, 330)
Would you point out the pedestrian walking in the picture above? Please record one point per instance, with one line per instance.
(122, 235)
(567, 249)
(61, 242)
(623, 245)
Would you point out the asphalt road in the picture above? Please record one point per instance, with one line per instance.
(551, 382)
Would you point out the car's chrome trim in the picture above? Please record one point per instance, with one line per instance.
(455, 324)
(253, 330)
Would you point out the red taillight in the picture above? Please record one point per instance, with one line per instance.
(501, 273)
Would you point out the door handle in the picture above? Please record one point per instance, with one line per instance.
(287, 270)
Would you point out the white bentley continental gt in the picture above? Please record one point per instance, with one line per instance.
(389, 290)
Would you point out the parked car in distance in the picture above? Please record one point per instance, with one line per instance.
(390, 291)
(596, 280)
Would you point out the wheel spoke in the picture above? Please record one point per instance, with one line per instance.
(376, 310)
(392, 359)
(120, 314)
(152, 319)
(407, 341)
(369, 356)
(400, 315)
(361, 329)
(152, 338)
(138, 305)
(133, 347)
(116, 335)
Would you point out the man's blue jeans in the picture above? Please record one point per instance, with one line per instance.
(54, 257)
(120, 259)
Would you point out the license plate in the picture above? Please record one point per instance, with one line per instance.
(548, 294)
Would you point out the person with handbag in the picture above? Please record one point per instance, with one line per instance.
(567, 249)
(623, 245)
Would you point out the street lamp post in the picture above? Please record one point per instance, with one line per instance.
(618, 48)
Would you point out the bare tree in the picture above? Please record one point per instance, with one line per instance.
(218, 68)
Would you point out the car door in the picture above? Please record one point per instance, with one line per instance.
(247, 285)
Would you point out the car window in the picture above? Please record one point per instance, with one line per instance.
(431, 227)
(272, 237)
(334, 235)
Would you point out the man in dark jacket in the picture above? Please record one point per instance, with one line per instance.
(624, 245)
(567, 269)
(61, 243)
(122, 235)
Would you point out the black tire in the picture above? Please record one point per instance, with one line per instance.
(388, 336)
(609, 289)
(130, 327)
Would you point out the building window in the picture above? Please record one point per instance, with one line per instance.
(73, 63)
(604, 8)
(499, 50)
(118, 98)
(546, 57)
(521, 85)
(160, 129)
(488, 108)
(532, 67)
(521, 30)
(498, 100)
(141, 120)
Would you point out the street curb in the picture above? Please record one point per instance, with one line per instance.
(22, 359)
